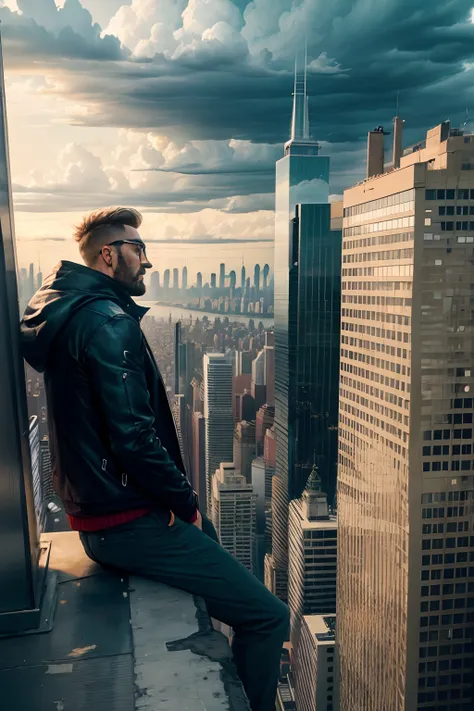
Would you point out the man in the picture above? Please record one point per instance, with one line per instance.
(116, 459)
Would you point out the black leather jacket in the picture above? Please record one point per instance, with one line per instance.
(112, 434)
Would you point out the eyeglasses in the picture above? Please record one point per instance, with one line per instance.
(140, 245)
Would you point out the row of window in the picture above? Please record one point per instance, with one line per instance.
(458, 633)
(446, 650)
(444, 696)
(376, 300)
(451, 558)
(450, 512)
(377, 377)
(379, 316)
(444, 210)
(451, 527)
(463, 465)
(445, 664)
(465, 433)
(444, 450)
(374, 331)
(451, 542)
(377, 240)
(448, 589)
(458, 618)
(378, 256)
(397, 270)
(374, 346)
(369, 432)
(446, 496)
(460, 194)
(389, 201)
(460, 225)
(398, 223)
(376, 285)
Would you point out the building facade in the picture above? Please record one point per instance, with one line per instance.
(234, 513)
(218, 414)
(315, 673)
(307, 315)
(405, 601)
(312, 556)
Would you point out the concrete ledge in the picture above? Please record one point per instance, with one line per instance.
(181, 663)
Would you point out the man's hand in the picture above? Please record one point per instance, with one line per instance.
(198, 521)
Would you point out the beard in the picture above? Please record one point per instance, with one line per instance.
(129, 278)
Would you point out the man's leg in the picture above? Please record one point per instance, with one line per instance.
(184, 557)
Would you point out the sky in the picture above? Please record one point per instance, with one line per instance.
(181, 108)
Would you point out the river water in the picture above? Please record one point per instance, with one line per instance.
(180, 313)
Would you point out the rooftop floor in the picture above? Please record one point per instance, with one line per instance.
(118, 643)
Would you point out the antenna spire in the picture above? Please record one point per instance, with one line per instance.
(300, 118)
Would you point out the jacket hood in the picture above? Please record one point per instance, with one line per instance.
(67, 289)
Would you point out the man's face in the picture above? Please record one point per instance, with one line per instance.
(130, 261)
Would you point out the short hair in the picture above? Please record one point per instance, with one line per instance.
(95, 229)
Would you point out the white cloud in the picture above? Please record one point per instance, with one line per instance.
(324, 65)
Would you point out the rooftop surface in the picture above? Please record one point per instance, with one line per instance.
(118, 643)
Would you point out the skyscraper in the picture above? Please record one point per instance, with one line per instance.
(199, 280)
(266, 272)
(232, 279)
(221, 276)
(166, 279)
(315, 670)
(405, 598)
(175, 278)
(256, 277)
(213, 280)
(242, 278)
(184, 278)
(154, 285)
(307, 313)
(234, 513)
(312, 556)
(244, 448)
(218, 413)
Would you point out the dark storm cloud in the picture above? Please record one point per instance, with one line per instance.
(418, 49)
(26, 42)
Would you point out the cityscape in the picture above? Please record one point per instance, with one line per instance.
(323, 401)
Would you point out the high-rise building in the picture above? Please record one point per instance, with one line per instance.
(307, 315)
(184, 278)
(234, 513)
(256, 277)
(166, 279)
(405, 598)
(269, 373)
(315, 670)
(213, 280)
(258, 369)
(312, 556)
(242, 278)
(199, 280)
(221, 276)
(244, 448)
(264, 420)
(198, 464)
(175, 278)
(154, 285)
(266, 272)
(218, 413)
(232, 279)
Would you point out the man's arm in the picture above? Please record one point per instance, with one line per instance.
(114, 358)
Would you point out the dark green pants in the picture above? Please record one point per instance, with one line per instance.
(184, 557)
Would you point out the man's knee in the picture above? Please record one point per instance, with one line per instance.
(281, 615)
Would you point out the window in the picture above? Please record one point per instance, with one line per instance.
(430, 194)
(463, 194)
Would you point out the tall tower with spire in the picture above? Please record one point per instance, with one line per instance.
(307, 295)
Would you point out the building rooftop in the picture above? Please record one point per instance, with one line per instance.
(310, 525)
(119, 643)
(322, 627)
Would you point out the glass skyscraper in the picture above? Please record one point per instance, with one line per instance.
(307, 314)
